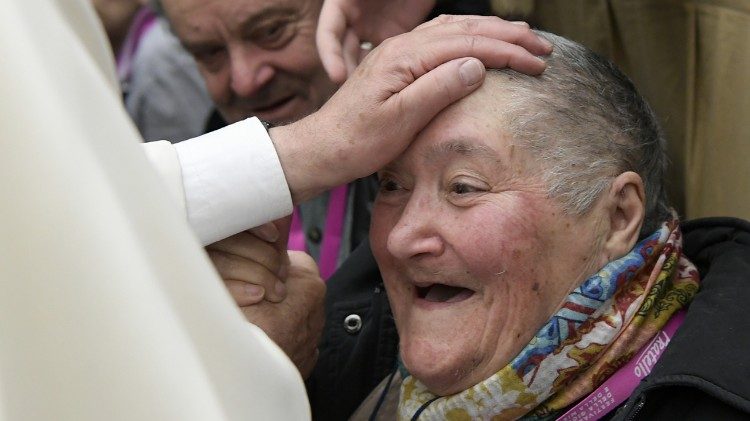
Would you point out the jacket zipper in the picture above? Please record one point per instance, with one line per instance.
(637, 408)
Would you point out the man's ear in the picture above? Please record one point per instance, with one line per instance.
(626, 206)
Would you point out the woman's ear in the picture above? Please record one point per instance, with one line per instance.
(626, 207)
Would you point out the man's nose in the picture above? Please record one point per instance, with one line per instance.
(250, 72)
(416, 233)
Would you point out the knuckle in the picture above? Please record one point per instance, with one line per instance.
(472, 42)
(470, 26)
(220, 261)
(390, 44)
(443, 18)
(229, 266)
(270, 260)
(265, 279)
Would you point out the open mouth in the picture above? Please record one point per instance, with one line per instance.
(277, 104)
(441, 293)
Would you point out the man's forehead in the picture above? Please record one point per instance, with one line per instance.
(236, 12)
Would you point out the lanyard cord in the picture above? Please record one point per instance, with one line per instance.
(381, 399)
(423, 407)
(332, 236)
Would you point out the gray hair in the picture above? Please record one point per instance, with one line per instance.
(585, 123)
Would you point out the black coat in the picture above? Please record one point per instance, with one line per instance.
(703, 374)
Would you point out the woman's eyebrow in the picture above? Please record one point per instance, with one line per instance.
(463, 147)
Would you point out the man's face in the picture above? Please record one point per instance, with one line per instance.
(474, 255)
(258, 57)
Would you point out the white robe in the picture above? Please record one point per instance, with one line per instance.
(109, 308)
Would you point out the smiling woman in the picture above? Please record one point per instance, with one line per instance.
(526, 247)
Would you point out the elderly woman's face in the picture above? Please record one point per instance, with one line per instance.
(474, 255)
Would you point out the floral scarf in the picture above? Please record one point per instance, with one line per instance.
(601, 325)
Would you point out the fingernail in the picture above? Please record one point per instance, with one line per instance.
(471, 72)
(267, 232)
(544, 63)
(546, 42)
(520, 23)
(280, 289)
(254, 291)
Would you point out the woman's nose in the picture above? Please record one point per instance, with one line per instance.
(416, 233)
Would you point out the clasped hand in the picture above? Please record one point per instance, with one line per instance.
(281, 292)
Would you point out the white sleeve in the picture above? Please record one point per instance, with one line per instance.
(164, 159)
(232, 180)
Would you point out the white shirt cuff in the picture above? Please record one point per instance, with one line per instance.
(233, 180)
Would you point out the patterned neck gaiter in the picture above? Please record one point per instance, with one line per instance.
(601, 325)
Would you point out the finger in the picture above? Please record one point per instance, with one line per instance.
(328, 37)
(518, 33)
(248, 246)
(492, 52)
(443, 19)
(243, 293)
(232, 267)
(438, 20)
(351, 52)
(362, 54)
(283, 225)
(285, 263)
(520, 22)
(266, 232)
(301, 261)
(435, 90)
(306, 365)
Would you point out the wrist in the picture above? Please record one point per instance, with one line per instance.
(302, 153)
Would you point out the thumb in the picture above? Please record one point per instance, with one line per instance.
(300, 260)
(438, 88)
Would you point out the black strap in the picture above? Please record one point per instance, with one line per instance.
(423, 407)
(381, 399)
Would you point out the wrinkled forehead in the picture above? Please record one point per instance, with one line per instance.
(473, 127)
(488, 106)
(191, 14)
(483, 114)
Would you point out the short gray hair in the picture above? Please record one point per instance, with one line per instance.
(585, 123)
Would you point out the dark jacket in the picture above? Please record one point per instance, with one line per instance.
(353, 361)
(703, 374)
(705, 371)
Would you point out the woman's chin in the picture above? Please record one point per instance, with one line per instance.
(442, 374)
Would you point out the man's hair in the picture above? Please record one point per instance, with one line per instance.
(585, 123)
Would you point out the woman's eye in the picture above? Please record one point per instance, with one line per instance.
(389, 185)
(463, 188)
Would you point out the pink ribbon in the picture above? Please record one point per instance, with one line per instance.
(621, 385)
(143, 21)
(332, 236)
